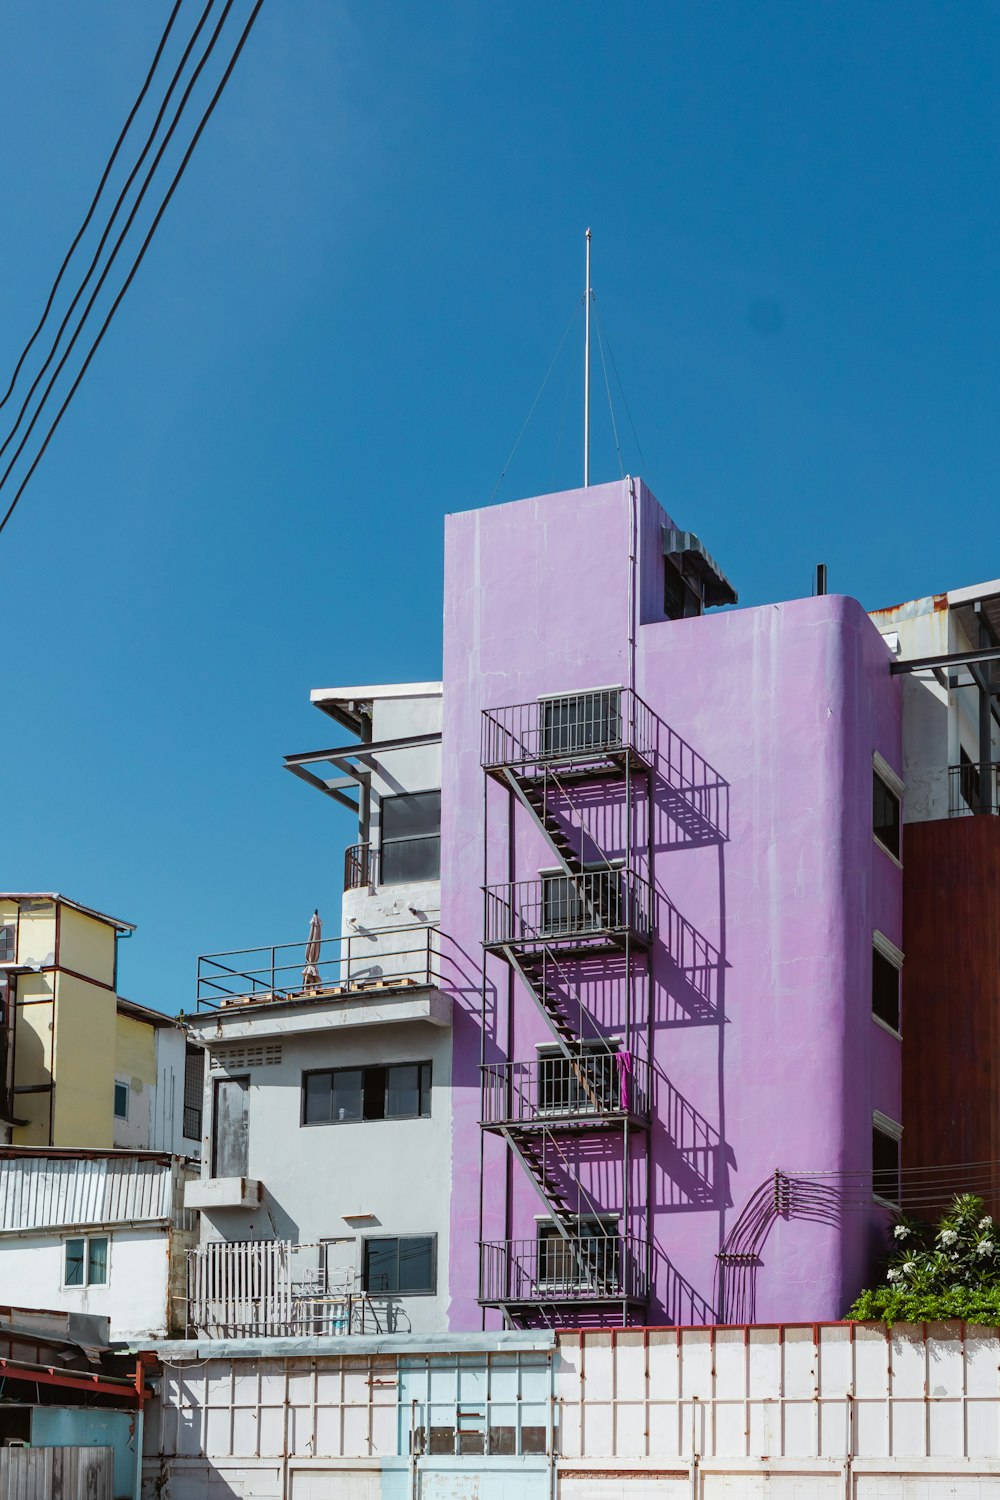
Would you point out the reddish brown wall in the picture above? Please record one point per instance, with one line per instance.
(951, 993)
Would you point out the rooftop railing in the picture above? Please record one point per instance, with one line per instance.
(570, 910)
(588, 1268)
(973, 789)
(592, 1086)
(371, 959)
(589, 726)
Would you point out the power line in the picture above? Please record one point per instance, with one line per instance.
(94, 201)
(138, 260)
(538, 397)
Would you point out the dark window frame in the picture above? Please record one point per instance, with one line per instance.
(883, 789)
(372, 1239)
(882, 962)
(580, 723)
(559, 1090)
(86, 1240)
(887, 1134)
(120, 1084)
(392, 842)
(8, 942)
(194, 1090)
(424, 1091)
(551, 1263)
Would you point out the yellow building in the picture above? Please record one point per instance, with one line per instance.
(79, 1065)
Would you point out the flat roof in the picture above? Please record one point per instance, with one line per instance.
(88, 911)
(90, 1153)
(376, 691)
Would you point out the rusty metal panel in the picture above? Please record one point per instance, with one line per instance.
(70, 1473)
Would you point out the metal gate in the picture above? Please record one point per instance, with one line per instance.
(66, 1473)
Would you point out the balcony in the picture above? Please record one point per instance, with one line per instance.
(973, 789)
(599, 730)
(584, 913)
(276, 1289)
(596, 1088)
(587, 1269)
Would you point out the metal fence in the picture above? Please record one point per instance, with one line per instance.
(69, 1473)
(255, 1289)
(388, 957)
(572, 726)
(593, 1084)
(973, 788)
(562, 909)
(586, 1268)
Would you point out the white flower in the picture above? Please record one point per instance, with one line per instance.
(909, 1266)
(947, 1236)
(985, 1222)
(901, 1231)
(892, 1274)
(985, 1247)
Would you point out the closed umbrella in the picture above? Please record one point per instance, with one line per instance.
(310, 974)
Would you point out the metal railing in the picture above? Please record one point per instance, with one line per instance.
(564, 909)
(595, 1084)
(361, 866)
(384, 958)
(588, 1268)
(583, 726)
(247, 1289)
(973, 788)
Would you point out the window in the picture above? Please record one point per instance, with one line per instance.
(886, 963)
(399, 1092)
(86, 1261)
(405, 1265)
(578, 722)
(582, 903)
(579, 1085)
(885, 1159)
(887, 789)
(411, 837)
(121, 1101)
(194, 1086)
(585, 1263)
(969, 782)
(6, 943)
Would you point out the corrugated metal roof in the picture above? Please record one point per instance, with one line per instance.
(44, 1192)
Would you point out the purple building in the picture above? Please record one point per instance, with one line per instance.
(609, 1032)
(680, 821)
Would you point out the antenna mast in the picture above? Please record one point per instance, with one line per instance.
(586, 375)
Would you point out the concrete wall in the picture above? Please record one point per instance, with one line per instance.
(83, 1066)
(135, 1066)
(765, 1053)
(344, 1181)
(167, 1123)
(134, 1299)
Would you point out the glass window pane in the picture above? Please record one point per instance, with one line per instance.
(402, 1097)
(121, 1101)
(381, 1265)
(885, 815)
(425, 1088)
(412, 815)
(885, 989)
(318, 1107)
(74, 1262)
(410, 859)
(347, 1094)
(97, 1262)
(885, 1166)
(416, 1264)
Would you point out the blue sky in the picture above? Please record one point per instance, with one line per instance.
(344, 318)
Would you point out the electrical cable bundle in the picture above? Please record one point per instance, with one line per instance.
(212, 49)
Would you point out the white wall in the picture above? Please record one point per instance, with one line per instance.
(135, 1298)
(167, 1121)
(315, 1177)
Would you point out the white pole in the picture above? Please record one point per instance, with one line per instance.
(586, 375)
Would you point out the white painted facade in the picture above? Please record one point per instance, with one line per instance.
(940, 721)
(333, 1189)
(759, 1413)
(128, 1203)
(155, 1117)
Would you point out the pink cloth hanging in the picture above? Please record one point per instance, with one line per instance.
(624, 1070)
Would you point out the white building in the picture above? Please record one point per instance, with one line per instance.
(102, 1233)
(325, 1187)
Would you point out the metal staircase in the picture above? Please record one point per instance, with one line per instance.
(594, 910)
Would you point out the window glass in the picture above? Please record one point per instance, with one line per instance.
(885, 815)
(416, 1264)
(381, 1265)
(318, 1106)
(402, 1096)
(413, 815)
(885, 989)
(75, 1250)
(194, 1084)
(410, 859)
(97, 1262)
(581, 722)
(6, 944)
(121, 1101)
(885, 1165)
(402, 1091)
(411, 837)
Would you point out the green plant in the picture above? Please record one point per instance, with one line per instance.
(936, 1272)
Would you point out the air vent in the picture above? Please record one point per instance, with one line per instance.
(233, 1058)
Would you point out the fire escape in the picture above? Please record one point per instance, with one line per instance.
(577, 769)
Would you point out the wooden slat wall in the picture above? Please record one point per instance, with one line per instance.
(951, 992)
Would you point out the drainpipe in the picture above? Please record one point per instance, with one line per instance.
(137, 1487)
